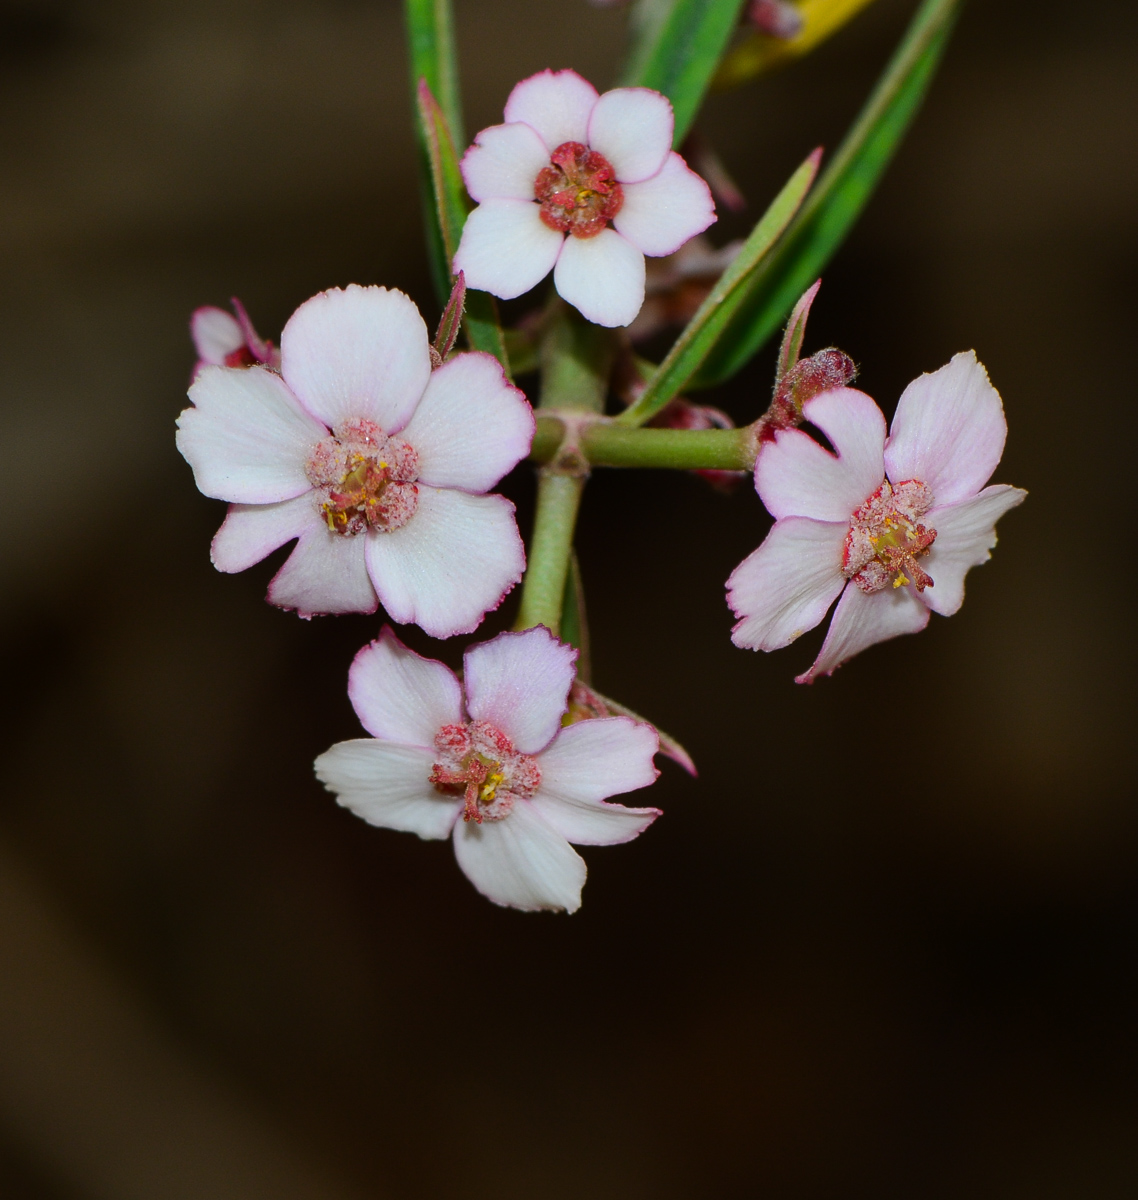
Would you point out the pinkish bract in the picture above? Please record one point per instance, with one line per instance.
(489, 763)
(890, 525)
(581, 185)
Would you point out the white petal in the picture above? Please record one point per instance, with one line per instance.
(797, 477)
(472, 425)
(662, 213)
(862, 620)
(387, 784)
(247, 438)
(587, 762)
(506, 248)
(786, 586)
(250, 531)
(357, 352)
(520, 682)
(400, 696)
(216, 334)
(632, 128)
(602, 277)
(450, 564)
(556, 104)
(520, 861)
(504, 162)
(965, 535)
(949, 431)
(324, 574)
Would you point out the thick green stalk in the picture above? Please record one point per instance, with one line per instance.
(547, 567)
(605, 444)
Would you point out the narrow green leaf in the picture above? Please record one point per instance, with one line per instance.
(841, 194)
(795, 331)
(678, 50)
(731, 291)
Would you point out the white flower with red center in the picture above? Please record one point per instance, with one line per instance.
(549, 182)
(891, 525)
(489, 763)
(375, 463)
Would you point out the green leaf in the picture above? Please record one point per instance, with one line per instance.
(574, 624)
(699, 339)
(678, 49)
(842, 192)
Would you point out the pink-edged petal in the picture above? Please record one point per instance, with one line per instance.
(520, 861)
(662, 213)
(246, 437)
(472, 425)
(216, 334)
(797, 477)
(400, 696)
(787, 585)
(586, 763)
(250, 531)
(862, 620)
(387, 784)
(520, 682)
(506, 248)
(324, 574)
(452, 563)
(556, 104)
(602, 277)
(632, 128)
(504, 162)
(357, 352)
(965, 535)
(949, 431)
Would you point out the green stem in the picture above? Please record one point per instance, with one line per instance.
(558, 499)
(605, 444)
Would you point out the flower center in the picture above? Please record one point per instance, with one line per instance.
(365, 479)
(578, 191)
(478, 762)
(885, 538)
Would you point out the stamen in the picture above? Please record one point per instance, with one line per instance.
(578, 191)
(478, 762)
(885, 538)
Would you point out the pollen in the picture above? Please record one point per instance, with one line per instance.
(578, 191)
(478, 762)
(886, 538)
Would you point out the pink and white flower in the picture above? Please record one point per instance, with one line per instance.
(224, 340)
(375, 463)
(548, 182)
(489, 763)
(890, 525)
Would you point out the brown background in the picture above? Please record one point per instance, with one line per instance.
(885, 945)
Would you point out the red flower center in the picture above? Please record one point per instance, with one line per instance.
(478, 762)
(885, 538)
(578, 191)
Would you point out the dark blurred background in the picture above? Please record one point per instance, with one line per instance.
(884, 946)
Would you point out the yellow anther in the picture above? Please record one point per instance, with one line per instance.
(900, 581)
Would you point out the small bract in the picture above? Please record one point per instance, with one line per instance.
(375, 463)
(581, 185)
(489, 763)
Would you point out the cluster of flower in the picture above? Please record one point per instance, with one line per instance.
(377, 454)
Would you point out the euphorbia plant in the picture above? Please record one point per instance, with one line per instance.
(377, 449)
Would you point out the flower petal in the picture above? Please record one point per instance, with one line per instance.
(450, 564)
(472, 425)
(520, 683)
(506, 248)
(797, 477)
(965, 535)
(520, 861)
(250, 531)
(216, 334)
(504, 162)
(949, 431)
(246, 437)
(357, 352)
(387, 784)
(862, 620)
(662, 213)
(556, 104)
(587, 762)
(602, 277)
(786, 586)
(324, 574)
(399, 696)
(632, 128)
